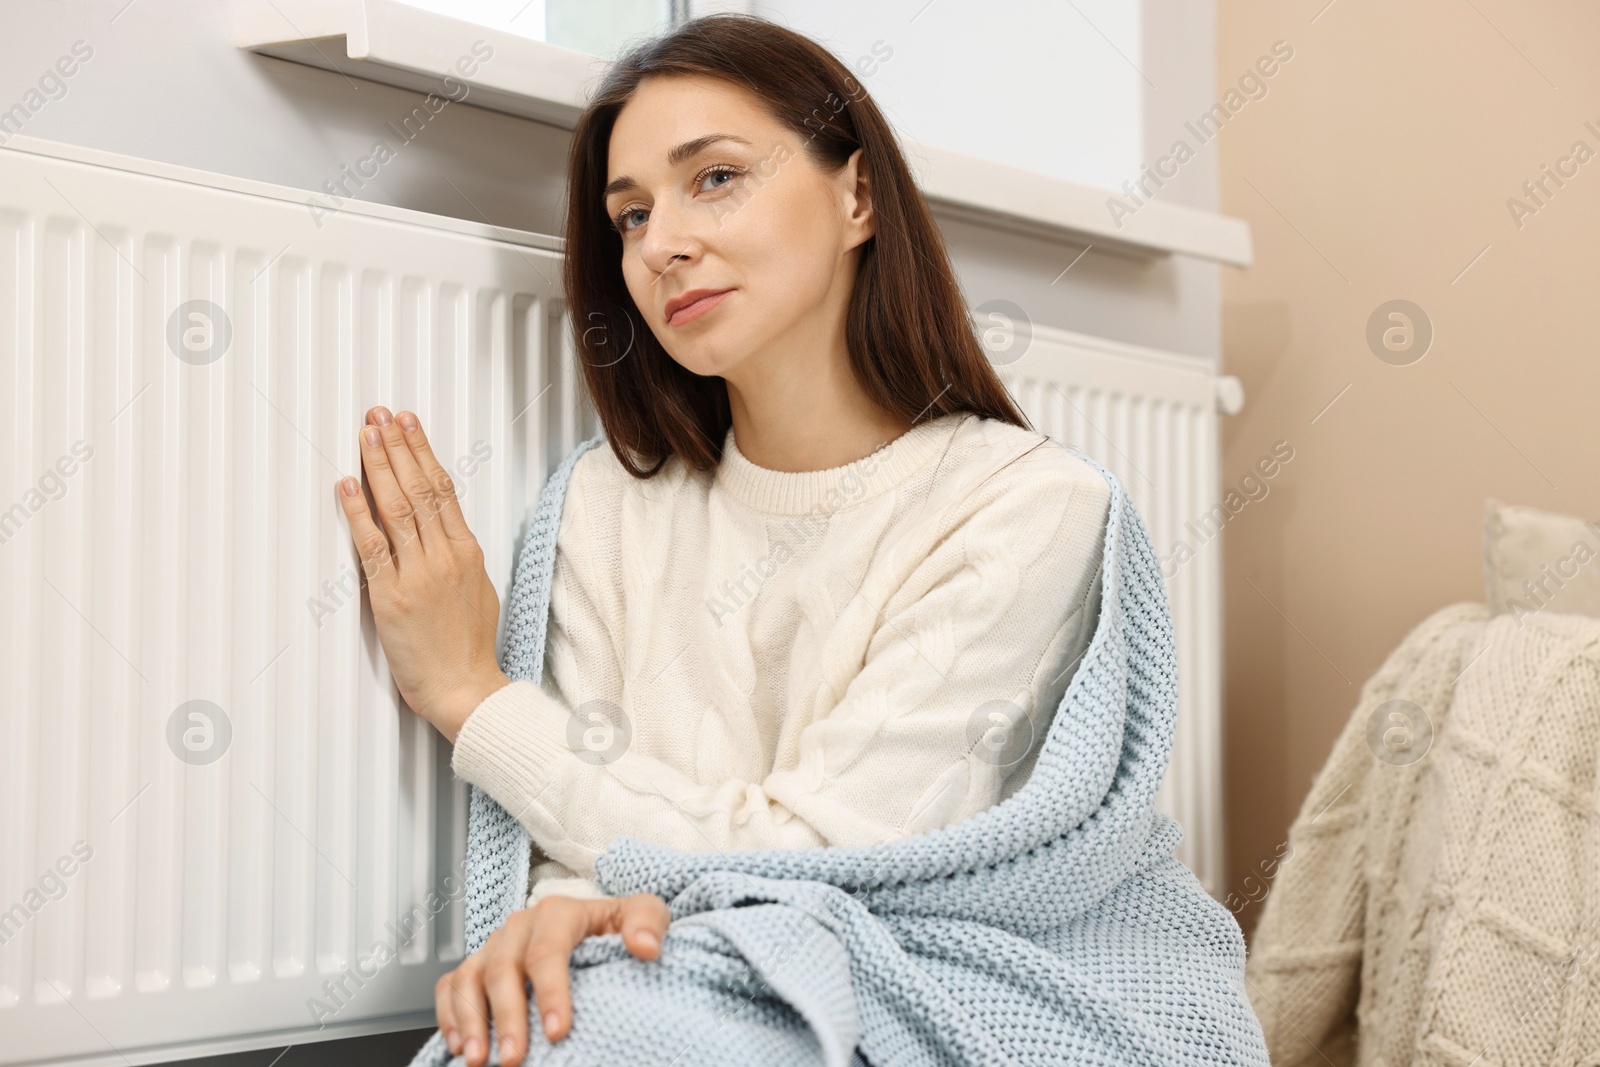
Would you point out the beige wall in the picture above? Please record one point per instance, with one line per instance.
(1378, 166)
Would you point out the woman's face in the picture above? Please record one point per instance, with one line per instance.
(710, 193)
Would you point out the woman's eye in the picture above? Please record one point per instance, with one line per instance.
(621, 222)
(717, 172)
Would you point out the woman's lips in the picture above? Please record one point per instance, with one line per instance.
(690, 312)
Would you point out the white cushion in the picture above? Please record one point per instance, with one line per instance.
(1537, 560)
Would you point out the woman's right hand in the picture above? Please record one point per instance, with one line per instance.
(434, 607)
(534, 945)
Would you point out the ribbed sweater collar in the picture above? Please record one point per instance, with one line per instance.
(835, 488)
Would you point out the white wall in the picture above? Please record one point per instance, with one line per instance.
(165, 82)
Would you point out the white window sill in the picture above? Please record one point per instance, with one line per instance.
(389, 42)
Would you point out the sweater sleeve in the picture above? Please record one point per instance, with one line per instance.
(969, 656)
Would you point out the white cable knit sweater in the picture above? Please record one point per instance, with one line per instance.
(746, 658)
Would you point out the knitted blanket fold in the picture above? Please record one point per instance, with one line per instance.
(1054, 927)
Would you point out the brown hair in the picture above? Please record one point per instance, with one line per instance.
(912, 343)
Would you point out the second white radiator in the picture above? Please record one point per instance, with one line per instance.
(1151, 418)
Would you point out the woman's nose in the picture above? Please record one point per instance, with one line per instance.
(670, 238)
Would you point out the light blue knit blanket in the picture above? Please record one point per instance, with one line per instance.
(1055, 927)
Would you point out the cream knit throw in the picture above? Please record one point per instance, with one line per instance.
(1437, 902)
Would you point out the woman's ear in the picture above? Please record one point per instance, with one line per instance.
(861, 221)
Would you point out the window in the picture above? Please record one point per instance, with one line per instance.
(599, 27)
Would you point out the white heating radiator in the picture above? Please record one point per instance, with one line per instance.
(215, 808)
(1151, 417)
(220, 828)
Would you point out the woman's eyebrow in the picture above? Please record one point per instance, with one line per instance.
(676, 155)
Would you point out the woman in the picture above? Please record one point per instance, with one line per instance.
(824, 587)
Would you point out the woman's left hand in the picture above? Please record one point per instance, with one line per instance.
(535, 945)
(435, 609)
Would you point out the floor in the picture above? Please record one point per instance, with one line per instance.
(379, 1050)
